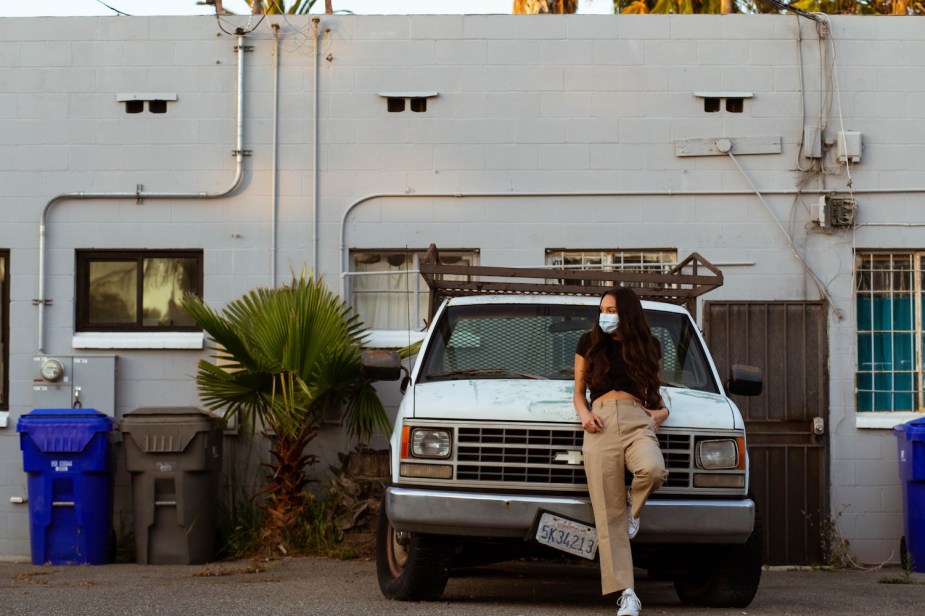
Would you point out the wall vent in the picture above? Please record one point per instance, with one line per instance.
(396, 102)
(156, 101)
(734, 102)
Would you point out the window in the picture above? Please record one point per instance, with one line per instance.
(4, 329)
(653, 260)
(136, 291)
(889, 325)
(388, 292)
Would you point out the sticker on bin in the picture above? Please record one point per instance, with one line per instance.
(62, 466)
(567, 535)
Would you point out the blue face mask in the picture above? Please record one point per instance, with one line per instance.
(608, 322)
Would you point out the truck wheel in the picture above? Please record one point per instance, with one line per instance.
(410, 566)
(731, 580)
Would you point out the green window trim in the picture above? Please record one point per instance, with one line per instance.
(889, 294)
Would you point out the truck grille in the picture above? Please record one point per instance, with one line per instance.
(528, 456)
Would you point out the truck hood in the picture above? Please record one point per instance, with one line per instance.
(550, 401)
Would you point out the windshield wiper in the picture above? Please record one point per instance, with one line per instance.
(500, 372)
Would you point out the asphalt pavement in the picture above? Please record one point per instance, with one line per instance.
(344, 588)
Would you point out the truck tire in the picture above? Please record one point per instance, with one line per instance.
(410, 566)
(731, 580)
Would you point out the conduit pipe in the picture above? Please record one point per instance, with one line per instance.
(139, 195)
(316, 28)
(345, 253)
(274, 182)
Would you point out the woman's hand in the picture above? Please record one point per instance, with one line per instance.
(658, 416)
(591, 423)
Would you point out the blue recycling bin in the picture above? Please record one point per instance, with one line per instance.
(910, 438)
(66, 454)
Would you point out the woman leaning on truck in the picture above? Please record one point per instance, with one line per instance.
(618, 363)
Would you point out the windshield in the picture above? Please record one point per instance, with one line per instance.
(530, 341)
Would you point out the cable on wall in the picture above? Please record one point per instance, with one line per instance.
(839, 313)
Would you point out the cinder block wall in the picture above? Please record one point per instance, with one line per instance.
(532, 115)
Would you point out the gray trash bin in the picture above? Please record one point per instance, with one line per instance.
(174, 455)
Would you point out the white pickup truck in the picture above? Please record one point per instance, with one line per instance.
(486, 440)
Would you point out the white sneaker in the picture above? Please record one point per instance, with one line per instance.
(628, 604)
(632, 523)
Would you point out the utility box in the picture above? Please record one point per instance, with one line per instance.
(74, 382)
(849, 146)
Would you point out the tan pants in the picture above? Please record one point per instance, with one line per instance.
(627, 442)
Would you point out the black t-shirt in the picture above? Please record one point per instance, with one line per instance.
(618, 377)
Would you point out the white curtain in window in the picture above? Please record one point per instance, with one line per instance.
(383, 300)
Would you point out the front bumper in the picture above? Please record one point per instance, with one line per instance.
(513, 515)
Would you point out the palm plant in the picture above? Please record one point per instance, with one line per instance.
(274, 7)
(285, 359)
(278, 7)
(536, 7)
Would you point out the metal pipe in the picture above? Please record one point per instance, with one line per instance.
(316, 28)
(274, 188)
(345, 256)
(139, 195)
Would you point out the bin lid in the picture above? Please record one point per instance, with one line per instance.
(170, 410)
(63, 430)
(171, 415)
(167, 428)
(912, 430)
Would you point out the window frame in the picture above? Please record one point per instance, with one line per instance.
(415, 290)
(614, 259)
(5, 329)
(83, 259)
(915, 291)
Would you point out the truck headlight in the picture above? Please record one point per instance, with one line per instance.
(428, 443)
(717, 454)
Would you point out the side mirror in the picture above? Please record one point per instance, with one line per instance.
(745, 380)
(381, 365)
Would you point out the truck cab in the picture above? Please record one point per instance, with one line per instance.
(486, 441)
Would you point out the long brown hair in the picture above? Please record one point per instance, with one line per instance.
(640, 349)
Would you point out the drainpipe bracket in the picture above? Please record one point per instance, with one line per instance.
(41, 302)
(244, 48)
(242, 152)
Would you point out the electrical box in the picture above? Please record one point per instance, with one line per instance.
(812, 142)
(849, 147)
(68, 382)
(836, 212)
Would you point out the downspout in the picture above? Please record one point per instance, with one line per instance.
(316, 29)
(140, 195)
(345, 253)
(274, 183)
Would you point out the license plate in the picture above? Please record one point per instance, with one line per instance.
(567, 535)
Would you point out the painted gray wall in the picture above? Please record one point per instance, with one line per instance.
(560, 105)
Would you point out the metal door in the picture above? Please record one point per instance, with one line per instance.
(787, 423)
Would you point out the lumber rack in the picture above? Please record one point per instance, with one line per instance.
(680, 285)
